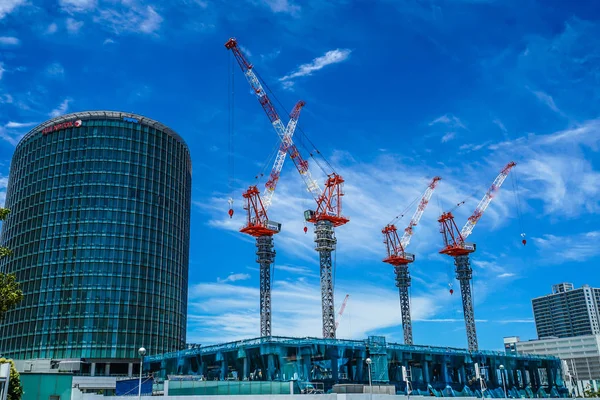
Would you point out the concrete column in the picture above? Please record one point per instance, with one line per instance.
(445, 377)
(360, 364)
(550, 374)
(463, 375)
(306, 366)
(270, 367)
(245, 376)
(166, 388)
(130, 370)
(510, 378)
(107, 369)
(93, 369)
(426, 372)
(223, 369)
(524, 377)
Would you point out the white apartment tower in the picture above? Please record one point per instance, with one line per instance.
(567, 312)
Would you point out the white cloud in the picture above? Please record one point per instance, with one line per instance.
(448, 119)
(506, 275)
(76, 6)
(19, 124)
(500, 125)
(134, 18)
(73, 26)
(575, 247)
(555, 171)
(2, 70)
(282, 6)
(448, 136)
(374, 194)
(234, 278)
(12, 132)
(108, 41)
(52, 28)
(548, 101)
(55, 69)
(222, 311)
(331, 57)
(61, 109)
(5, 98)
(9, 41)
(8, 6)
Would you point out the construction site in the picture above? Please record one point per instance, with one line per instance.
(328, 364)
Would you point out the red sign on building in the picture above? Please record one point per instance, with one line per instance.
(62, 125)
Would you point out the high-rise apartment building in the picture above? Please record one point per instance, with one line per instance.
(100, 229)
(567, 312)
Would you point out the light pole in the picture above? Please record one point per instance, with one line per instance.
(369, 361)
(502, 376)
(142, 353)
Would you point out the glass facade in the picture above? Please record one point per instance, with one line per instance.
(99, 227)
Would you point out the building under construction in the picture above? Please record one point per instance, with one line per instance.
(424, 370)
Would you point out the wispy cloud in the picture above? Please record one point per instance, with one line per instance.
(12, 132)
(75, 6)
(52, 28)
(234, 278)
(282, 6)
(330, 57)
(225, 311)
(2, 70)
(73, 26)
(135, 18)
(55, 70)
(506, 275)
(9, 41)
(450, 120)
(575, 247)
(61, 109)
(448, 136)
(8, 6)
(19, 124)
(500, 125)
(546, 99)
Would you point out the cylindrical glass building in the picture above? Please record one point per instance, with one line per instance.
(100, 227)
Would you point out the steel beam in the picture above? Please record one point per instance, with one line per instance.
(265, 255)
(403, 282)
(464, 273)
(326, 241)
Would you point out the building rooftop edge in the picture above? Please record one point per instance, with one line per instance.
(105, 114)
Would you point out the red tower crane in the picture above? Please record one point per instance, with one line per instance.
(455, 246)
(328, 213)
(258, 224)
(397, 257)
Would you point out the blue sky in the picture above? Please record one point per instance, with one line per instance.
(397, 91)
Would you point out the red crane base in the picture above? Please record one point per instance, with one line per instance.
(257, 231)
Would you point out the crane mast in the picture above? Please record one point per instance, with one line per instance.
(258, 224)
(455, 246)
(397, 257)
(328, 213)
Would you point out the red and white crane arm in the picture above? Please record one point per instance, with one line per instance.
(271, 184)
(485, 201)
(341, 312)
(408, 232)
(267, 105)
(257, 87)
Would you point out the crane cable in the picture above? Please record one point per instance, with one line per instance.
(298, 128)
(515, 187)
(231, 129)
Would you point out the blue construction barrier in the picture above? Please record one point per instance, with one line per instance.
(130, 387)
